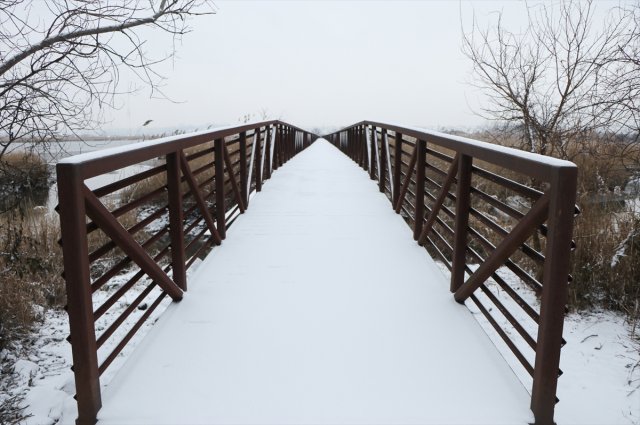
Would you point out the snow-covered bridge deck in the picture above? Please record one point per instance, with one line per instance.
(318, 308)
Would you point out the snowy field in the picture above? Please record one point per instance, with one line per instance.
(601, 362)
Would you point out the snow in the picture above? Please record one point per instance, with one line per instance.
(600, 362)
(318, 308)
(275, 335)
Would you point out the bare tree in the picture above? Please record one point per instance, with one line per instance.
(545, 84)
(60, 61)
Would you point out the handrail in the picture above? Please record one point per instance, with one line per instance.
(219, 190)
(368, 144)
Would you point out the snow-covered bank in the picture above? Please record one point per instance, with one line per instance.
(600, 383)
(41, 370)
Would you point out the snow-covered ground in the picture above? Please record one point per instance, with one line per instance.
(601, 362)
(600, 384)
(42, 370)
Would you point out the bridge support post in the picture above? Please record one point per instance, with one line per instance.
(418, 215)
(267, 153)
(463, 203)
(258, 159)
(243, 168)
(78, 283)
(554, 294)
(397, 168)
(276, 150)
(372, 153)
(363, 139)
(220, 199)
(176, 223)
(382, 172)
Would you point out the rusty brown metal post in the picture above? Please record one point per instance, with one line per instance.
(382, 173)
(289, 143)
(397, 168)
(554, 294)
(78, 284)
(418, 216)
(243, 168)
(365, 158)
(267, 153)
(176, 220)
(463, 203)
(372, 143)
(276, 147)
(258, 159)
(220, 201)
(285, 145)
(352, 144)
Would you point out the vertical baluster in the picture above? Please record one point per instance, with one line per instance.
(418, 215)
(176, 220)
(383, 160)
(258, 159)
(363, 149)
(220, 200)
(276, 151)
(397, 168)
(463, 203)
(365, 157)
(244, 176)
(78, 283)
(267, 153)
(372, 159)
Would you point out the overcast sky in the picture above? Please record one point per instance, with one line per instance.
(318, 63)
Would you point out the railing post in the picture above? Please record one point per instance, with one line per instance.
(363, 138)
(463, 203)
(382, 173)
(554, 294)
(276, 148)
(258, 159)
(176, 220)
(421, 156)
(78, 284)
(220, 199)
(372, 158)
(397, 168)
(285, 145)
(287, 155)
(267, 153)
(352, 144)
(243, 168)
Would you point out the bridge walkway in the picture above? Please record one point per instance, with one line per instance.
(319, 307)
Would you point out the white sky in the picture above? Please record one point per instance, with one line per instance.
(320, 63)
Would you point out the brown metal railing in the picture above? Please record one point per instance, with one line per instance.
(216, 201)
(427, 205)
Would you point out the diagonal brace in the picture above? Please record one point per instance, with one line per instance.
(407, 179)
(453, 170)
(197, 195)
(232, 177)
(519, 235)
(114, 230)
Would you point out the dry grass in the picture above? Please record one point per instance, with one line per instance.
(30, 268)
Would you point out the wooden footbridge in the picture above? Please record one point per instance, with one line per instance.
(315, 303)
